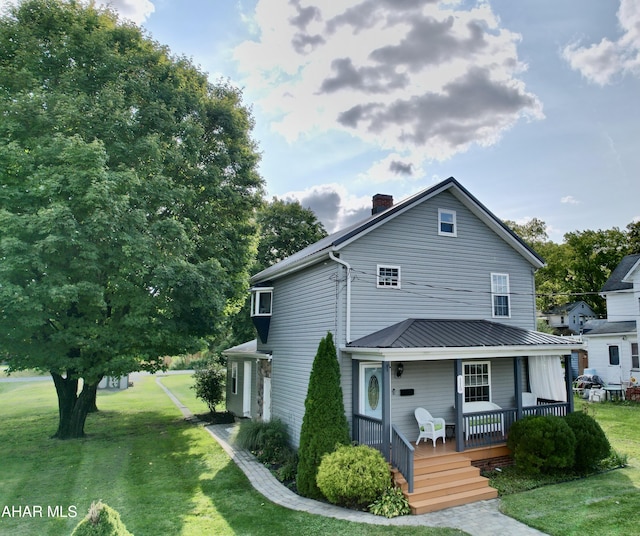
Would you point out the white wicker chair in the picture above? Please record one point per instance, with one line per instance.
(429, 427)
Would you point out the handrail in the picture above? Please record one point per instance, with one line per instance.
(402, 455)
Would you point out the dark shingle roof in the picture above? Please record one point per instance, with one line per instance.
(422, 333)
(611, 328)
(615, 279)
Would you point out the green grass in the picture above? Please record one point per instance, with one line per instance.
(606, 504)
(162, 475)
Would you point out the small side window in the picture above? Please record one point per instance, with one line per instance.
(388, 276)
(234, 377)
(261, 300)
(614, 355)
(447, 225)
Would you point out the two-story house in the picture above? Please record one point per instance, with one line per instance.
(431, 302)
(570, 318)
(613, 343)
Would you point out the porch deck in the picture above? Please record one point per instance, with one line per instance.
(444, 478)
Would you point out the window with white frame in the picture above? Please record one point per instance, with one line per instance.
(261, 299)
(234, 377)
(447, 222)
(635, 361)
(388, 276)
(477, 381)
(500, 295)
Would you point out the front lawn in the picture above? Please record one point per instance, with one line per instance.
(602, 505)
(163, 475)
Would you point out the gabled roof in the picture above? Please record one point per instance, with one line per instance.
(616, 280)
(425, 333)
(334, 242)
(565, 308)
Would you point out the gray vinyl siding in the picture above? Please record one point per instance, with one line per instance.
(441, 276)
(434, 388)
(304, 310)
(234, 402)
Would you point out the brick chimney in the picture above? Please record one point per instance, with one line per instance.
(381, 202)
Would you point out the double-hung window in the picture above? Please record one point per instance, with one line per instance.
(500, 295)
(388, 276)
(635, 362)
(477, 381)
(447, 222)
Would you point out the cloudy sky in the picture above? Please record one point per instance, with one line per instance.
(533, 105)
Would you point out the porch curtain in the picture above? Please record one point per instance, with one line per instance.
(546, 377)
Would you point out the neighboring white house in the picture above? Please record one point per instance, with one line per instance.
(613, 343)
(570, 318)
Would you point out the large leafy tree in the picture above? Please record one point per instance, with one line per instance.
(127, 193)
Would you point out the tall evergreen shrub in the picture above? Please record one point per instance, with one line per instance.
(325, 424)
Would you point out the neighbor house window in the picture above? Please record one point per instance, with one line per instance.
(388, 276)
(614, 355)
(447, 222)
(261, 298)
(477, 381)
(234, 377)
(500, 295)
(635, 361)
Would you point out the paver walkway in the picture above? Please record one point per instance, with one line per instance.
(478, 519)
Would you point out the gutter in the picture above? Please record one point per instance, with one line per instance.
(348, 267)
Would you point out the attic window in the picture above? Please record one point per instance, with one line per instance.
(388, 276)
(261, 299)
(447, 222)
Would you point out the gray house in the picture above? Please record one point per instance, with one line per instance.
(570, 318)
(431, 302)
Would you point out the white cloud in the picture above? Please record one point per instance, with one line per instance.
(602, 61)
(407, 76)
(569, 200)
(333, 205)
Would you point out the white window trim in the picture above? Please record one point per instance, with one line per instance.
(255, 301)
(389, 267)
(442, 211)
(494, 294)
(234, 377)
(488, 363)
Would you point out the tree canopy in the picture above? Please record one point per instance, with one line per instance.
(128, 185)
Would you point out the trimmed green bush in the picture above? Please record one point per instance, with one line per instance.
(592, 445)
(269, 441)
(209, 384)
(353, 476)
(102, 520)
(392, 503)
(324, 425)
(542, 444)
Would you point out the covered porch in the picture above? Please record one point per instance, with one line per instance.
(454, 368)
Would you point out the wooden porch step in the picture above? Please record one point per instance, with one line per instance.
(457, 499)
(440, 477)
(449, 488)
(424, 466)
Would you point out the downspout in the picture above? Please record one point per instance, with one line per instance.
(348, 312)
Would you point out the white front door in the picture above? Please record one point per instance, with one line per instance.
(371, 390)
(266, 400)
(246, 390)
(614, 369)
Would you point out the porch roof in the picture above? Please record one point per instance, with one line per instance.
(451, 338)
(606, 327)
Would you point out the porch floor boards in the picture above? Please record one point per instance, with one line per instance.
(444, 478)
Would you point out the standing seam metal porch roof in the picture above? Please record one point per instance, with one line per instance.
(425, 333)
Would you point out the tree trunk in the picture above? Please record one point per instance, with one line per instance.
(72, 408)
(93, 407)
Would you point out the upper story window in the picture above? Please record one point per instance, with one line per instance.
(447, 225)
(500, 295)
(388, 276)
(261, 300)
(477, 381)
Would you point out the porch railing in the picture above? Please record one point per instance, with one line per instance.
(368, 431)
(488, 428)
(402, 455)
